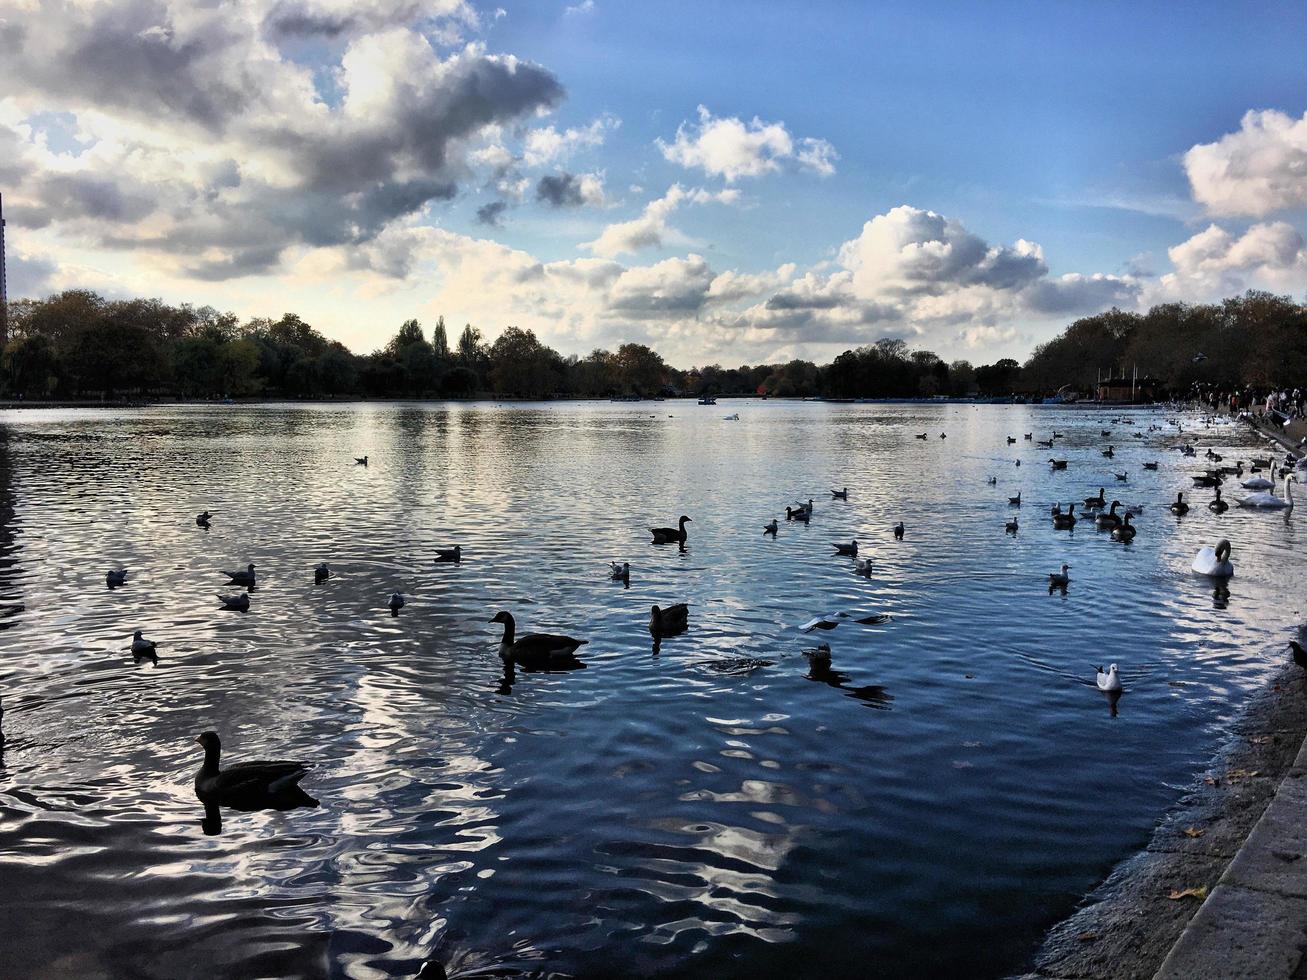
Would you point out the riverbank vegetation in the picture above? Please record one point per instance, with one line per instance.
(79, 344)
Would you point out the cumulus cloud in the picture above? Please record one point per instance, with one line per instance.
(335, 18)
(566, 190)
(1214, 263)
(548, 145)
(1256, 171)
(730, 148)
(651, 229)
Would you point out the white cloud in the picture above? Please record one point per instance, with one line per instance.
(584, 7)
(1214, 263)
(730, 148)
(1256, 171)
(548, 145)
(651, 228)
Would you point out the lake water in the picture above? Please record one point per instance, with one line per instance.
(950, 789)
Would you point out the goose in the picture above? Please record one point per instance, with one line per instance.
(1011, 440)
(669, 621)
(922, 436)
(1011, 526)
(1108, 680)
(1261, 460)
(1099, 501)
(1028, 436)
(1045, 444)
(454, 554)
(1208, 479)
(1109, 520)
(115, 577)
(1104, 432)
(830, 620)
(239, 602)
(771, 528)
(840, 494)
(141, 646)
(1215, 562)
(1015, 501)
(1122, 477)
(360, 461)
(1299, 654)
(898, 531)
(1058, 435)
(1178, 506)
(1067, 520)
(242, 578)
(1266, 500)
(802, 514)
(847, 549)
(1260, 482)
(1061, 578)
(396, 602)
(321, 573)
(1218, 505)
(534, 649)
(620, 572)
(943, 435)
(992, 481)
(1151, 466)
(1108, 452)
(666, 535)
(1125, 531)
(262, 785)
(1058, 464)
(862, 566)
(202, 520)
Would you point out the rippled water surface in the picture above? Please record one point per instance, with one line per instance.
(710, 808)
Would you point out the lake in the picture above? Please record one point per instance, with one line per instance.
(712, 807)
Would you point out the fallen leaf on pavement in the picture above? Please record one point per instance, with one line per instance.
(1199, 893)
(1194, 832)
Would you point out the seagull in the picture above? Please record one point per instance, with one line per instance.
(1108, 680)
(840, 494)
(242, 578)
(831, 620)
(622, 572)
(321, 574)
(112, 578)
(239, 602)
(396, 602)
(770, 528)
(454, 554)
(140, 646)
(847, 549)
(862, 566)
(1060, 578)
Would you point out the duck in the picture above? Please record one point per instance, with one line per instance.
(1108, 452)
(1215, 562)
(1015, 501)
(850, 549)
(242, 578)
(202, 520)
(115, 577)
(360, 461)
(1109, 520)
(1134, 509)
(1260, 482)
(1060, 578)
(1178, 506)
(898, 531)
(1151, 466)
(1299, 654)
(1067, 520)
(1099, 501)
(1125, 531)
(1058, 464)
(321, 573)
(534, 649)
(1218, 505)
(862, 566)
(840, 494)
(669, 621)
(141, 646)
(1269, 501)
(239, 602)
(261, 785)
(1011, 526)
(396, 602)
(454, 554)
(1108, 680)
(666, 535)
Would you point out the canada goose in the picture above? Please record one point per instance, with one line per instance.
(666, 535)
(669, 621)
(1104, 432)
(1028, 436)
(454, 554)
(239, 602)
(1061, 578)
(116, 577)
(1109, 520)
(1125, 531)
(1108, 680)
(1108, 452)
(1099, 501)
(1058, 464)
(1067, 520)
(242, 578)
(922, 436)
(202, 520)
(1214, 562)
(1015, 501)
(771, 528)
(1218, 505)
(1179, 507)
(1208, 479)
(1011, 440)
(263, 785)
(534, 649)
(360, 461)
(840, 494)
(140, 645)
(1045, 444)
(1011, 526)
(1058, 435)
(321, 573)
(898, 531)
(1122, 477)
(847, 549)
(1150, 466)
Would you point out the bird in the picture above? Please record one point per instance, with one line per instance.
(262, 785)
(1109, 520)
(802, 514)
(830, 620)
(115, 577)
(454, 554)
(840, 494)
(1150, 466)
(1215, 562)
(1125, 531)
(1105, 432)
(534, 649)
(1099, 501)
(396, 602)
(771, 528)
(1028, 436)
(1218, 505)
(1108, 452)
(669, 621)
(1260, 482)
(1060, 578)
(666, 535)
(620, 573)
(1067, 520)
(1015, 501)
(1108, 680)
(321, 573)
(818, 655)
(1058, 464)
(242, 578)
(802, 506)
(1045, 444)
(1122, 477)
(142, 646)
(1058, 435)
(1266, 500)
(922, 436)
(1011, 526)
(898, 531)
(1011, 440)
(202, 520)
(1299, 654)
(239, 602)
(943, 435)
(847, 549)
(1208, 479)
(862, 566)
(992, 481)
(360, 461)
(1178, 506)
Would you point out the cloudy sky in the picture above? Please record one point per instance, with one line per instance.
(729, 182)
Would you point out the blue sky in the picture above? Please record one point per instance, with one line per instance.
(967, 176)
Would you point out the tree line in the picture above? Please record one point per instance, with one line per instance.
(77, 344)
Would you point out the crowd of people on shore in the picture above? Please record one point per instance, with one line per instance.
(1280, 404)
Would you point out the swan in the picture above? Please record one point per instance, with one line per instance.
(1125, 532)
(1260, 482)
(115, 577)
(1060, 578)
(321, 573)
(242, 578)
(1015, 501)
(1179, 507)
(1215, 562)
(1269, 501)
(534, 649)
(1218, 505)
(396, 601)
(847, 549)
(1011, 526)
(239, 602)
(898, 531)
(272, 785)
(360, 461)
(140, 645)
(454, 554)
(202, 520)
(863, 566)
(1099, 501)
(771, 528)
(1109, 520)
(669, 621)
(620, 573)
(840, 494)
(830, 620)
(1108, 680)
(665, 535)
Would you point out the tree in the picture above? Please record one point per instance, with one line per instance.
(30, 364)
(641, 370)
(440, 342)
(521, 365)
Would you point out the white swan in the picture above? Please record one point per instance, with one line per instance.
(1215, 561)
(1260, 482)
(1269, 501)
(1108, 680)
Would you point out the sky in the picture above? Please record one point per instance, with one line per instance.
(734, 182)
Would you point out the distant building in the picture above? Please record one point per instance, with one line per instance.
(1128, 390)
